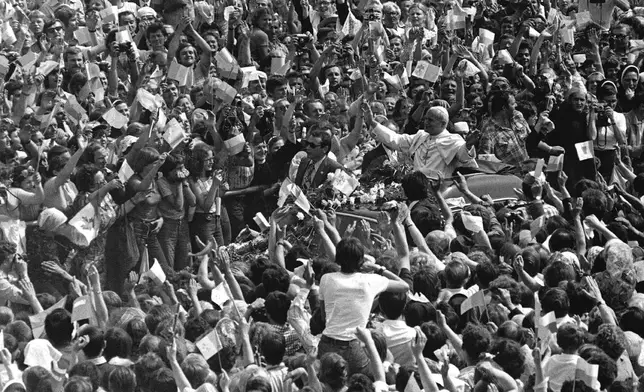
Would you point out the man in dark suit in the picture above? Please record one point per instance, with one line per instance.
(313, 169)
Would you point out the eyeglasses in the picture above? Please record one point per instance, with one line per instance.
(56, 28)
(307, 143)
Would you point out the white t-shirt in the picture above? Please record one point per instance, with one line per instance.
(347, 301)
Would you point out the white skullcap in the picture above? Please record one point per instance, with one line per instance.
(438, 113)
(147, 11)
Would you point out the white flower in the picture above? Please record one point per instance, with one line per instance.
(330, 177)
(352, 200)
(336, 203)
(300, 216)
(381, 193)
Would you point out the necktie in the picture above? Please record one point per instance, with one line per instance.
(308, 175)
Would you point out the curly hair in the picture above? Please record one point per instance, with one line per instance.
(612, 340)
(85, 177)
(146, 156)
(197, 160)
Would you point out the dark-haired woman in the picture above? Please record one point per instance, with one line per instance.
(609, 127)
(205, 184)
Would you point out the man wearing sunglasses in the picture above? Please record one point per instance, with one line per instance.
(313, 169)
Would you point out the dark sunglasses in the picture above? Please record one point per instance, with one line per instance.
(312, 145)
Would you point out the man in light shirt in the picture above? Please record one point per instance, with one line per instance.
(433, 149)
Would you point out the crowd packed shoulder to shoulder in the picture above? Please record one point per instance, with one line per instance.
(161, 166)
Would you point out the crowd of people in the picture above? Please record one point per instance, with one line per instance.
(160, 160)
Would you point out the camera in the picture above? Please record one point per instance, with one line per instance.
(124, 47)
(602, 117)
(269, 113)
(301, 39)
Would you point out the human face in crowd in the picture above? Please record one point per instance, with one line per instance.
(37, 25)
(523, 58)
(100, 156)
(278, 27)
(477, 104)
(28, 183)
(56, 32)
(123, 109)
(188, 56)
(405, 5)
(99, 181)
(184, 104)
(610, 101)
(257, 86)
(330, 101)
(280, 92)
(507, 28)
(170, 94)
(129, 20)
(72, 25)
(211, 40)
(324, 6)
(620, 37)
(433, 125)
(373, 12)
(157, 40)
(593, 83)
(417, 17)
(390, 104)
(334, 76)
(296, 83)
(316, 110)
(96, 5)
(612, 73)
(448, 89)
(477, 88)
(261, 152)
(208, 162)
(391, 18)
(396, 45)
(630, 80)
(500, 85)
(37, 138)
(265, 23)
(74, 62)
(578, 102)
(261, 4)
(512, 104)
(103, 78)
(314, 149)
(102, 140)
(276, 146)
